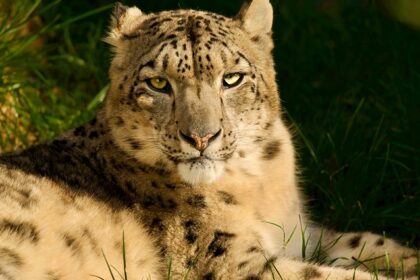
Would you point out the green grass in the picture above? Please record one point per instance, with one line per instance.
(350, 86)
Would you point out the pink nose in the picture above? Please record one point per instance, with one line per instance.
(200, 143)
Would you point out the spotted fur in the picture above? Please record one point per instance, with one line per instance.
(197, 173)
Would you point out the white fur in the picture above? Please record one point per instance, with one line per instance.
(203, 172)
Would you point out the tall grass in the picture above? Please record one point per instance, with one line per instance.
(46, 84)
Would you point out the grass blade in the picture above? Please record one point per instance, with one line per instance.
(107, 264)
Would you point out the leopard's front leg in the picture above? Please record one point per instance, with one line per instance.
(370, 251)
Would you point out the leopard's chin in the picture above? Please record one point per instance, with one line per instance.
(200, 171)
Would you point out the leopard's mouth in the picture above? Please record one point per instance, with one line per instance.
(199, 162)
(202, 159)
(198, 159)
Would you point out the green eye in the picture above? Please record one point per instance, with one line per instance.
(159, 84)
(232, 80)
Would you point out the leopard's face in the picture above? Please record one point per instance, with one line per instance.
(189, 90)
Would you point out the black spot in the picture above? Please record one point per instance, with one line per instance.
(147, 201)
(23, 230)
(268, 126)
(252, 277)
(169, 37)
(310, 272)
(227, 197)
(150, 63)
(80, 144)
(162, 47)
(209, 276)
(165, 61)
(171, 204)
(80, 131)
(218, 245)
(197, 201)
(242, 265)
(9, 257)
(355, 241)
(160, 201)
(93, 134)
(191, 228)
(157, 224)
(253, 249)
(59, 142)
(271, 149)
(130, 187)
(174, 45)
(130, 36)
(72, 243)
(170, 186)
(135, 144)
(22, 197)
(380, 242)
(154, 24)
(180, 63)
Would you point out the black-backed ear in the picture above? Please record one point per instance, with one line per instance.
(124, 22)
(256, 17)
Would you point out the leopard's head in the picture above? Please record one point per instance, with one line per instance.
(190, 90)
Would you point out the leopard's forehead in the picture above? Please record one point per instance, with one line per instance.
(186, 44)
(198, 27)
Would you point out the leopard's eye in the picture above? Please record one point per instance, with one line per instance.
(232, 80)
(159, 84)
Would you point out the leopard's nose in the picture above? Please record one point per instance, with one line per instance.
(200, 142)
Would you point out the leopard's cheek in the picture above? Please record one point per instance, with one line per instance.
(157, 108)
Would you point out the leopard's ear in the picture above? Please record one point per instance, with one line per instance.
(124, 23)
(256, 17)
